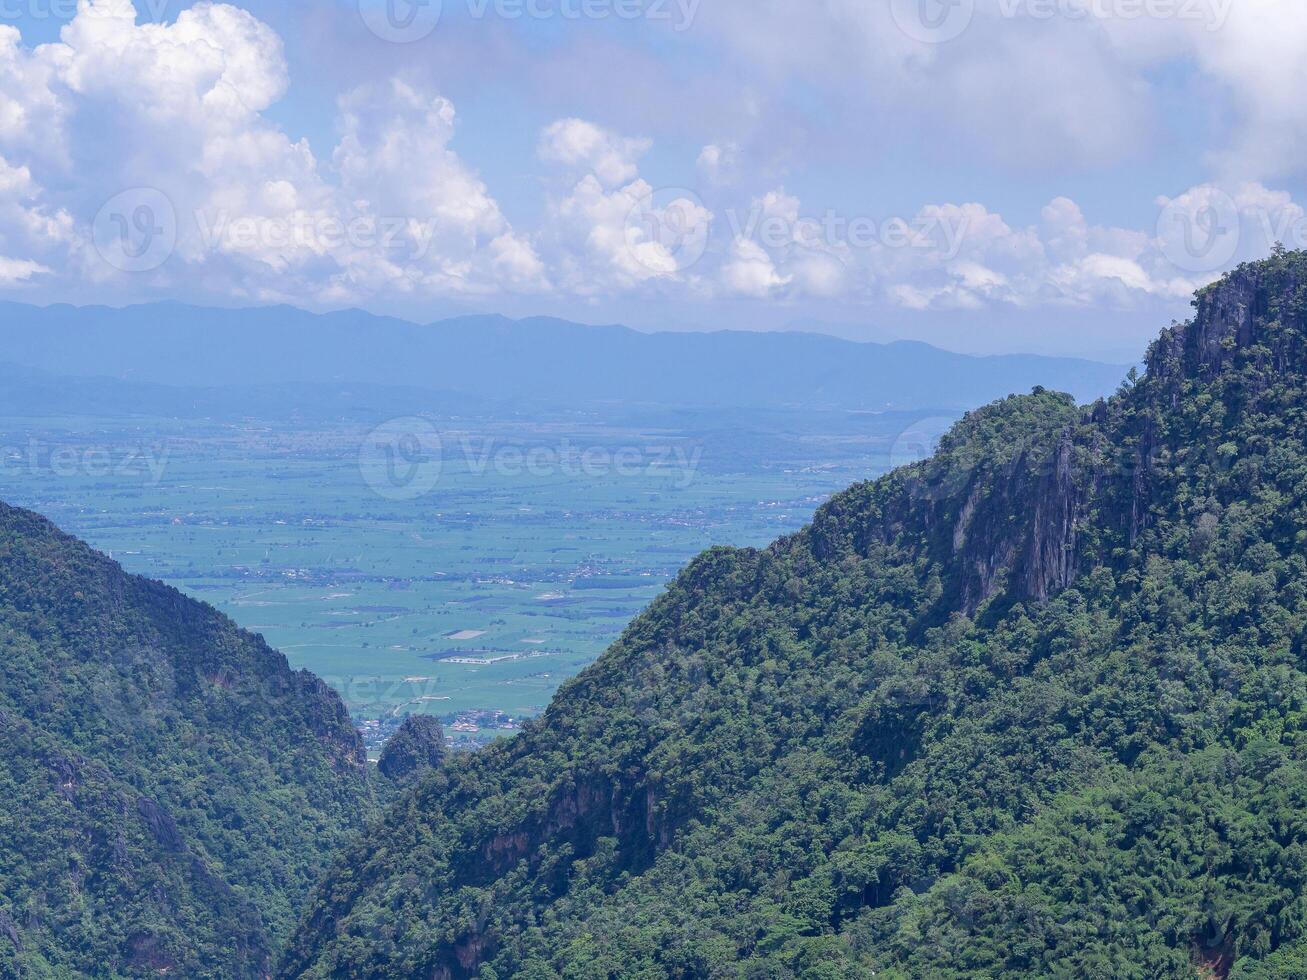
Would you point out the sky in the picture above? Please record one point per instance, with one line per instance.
(1054, 176)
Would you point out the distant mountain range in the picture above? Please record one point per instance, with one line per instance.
(493, 359)
(31, 392)
(1033, 707)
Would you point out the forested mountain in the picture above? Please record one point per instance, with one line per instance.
(1031, 708)
(171, 789)
(538, 361)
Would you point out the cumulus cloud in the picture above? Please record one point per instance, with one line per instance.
(779, 251)
(29, 229)
(178, 111)
(447, 232)
(610, 229)
(966, 257)
(750, 271)
(579, 144)
(182, 109)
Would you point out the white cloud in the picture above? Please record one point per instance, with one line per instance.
(580, 144)
(750, 270)
(1026, 91)
(393, 210)
(449, 234)
(1037, 84)
(180, 108)
(1255, 51)
(719, 163)
(966, 257)
(778, 249)
(610, 230)
(15, 271)
(28, 228)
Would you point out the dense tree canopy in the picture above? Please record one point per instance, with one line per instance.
(1033, 707)
(171, 788)
(1030, 708)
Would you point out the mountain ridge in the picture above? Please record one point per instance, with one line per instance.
(871, 746)
(540, 359)
(172, 785)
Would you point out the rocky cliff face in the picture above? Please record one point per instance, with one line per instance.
(1009, 521)
(1254, 311)
(795, 751)
(1001, 506)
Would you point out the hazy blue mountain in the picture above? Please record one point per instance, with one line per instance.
(29, 392)
(538, 360)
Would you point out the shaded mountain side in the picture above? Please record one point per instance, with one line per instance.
(98, 876)
(419, 745)
(1033, 707)
(539, 361)
(172, 787)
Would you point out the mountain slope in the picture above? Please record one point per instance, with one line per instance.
(538, 360)
(1033, 707)
(171, 787)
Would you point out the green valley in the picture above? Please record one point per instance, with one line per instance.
(1030, 708)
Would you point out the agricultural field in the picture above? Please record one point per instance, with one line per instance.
(451, 567)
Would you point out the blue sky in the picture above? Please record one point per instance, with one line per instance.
(988, 175)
